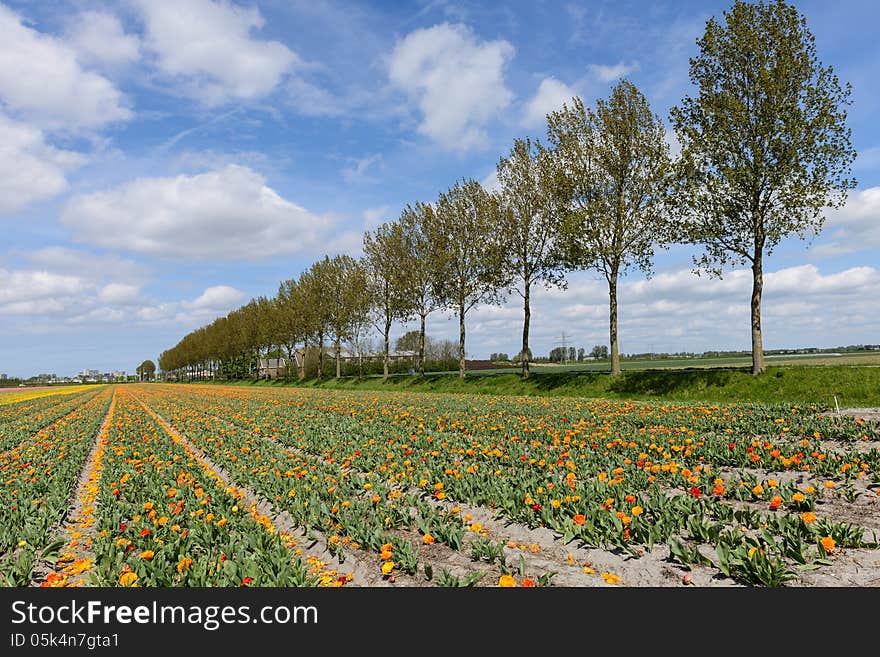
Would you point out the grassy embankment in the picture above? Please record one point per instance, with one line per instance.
(853, 386)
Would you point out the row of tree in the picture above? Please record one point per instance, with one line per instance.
(764, 150)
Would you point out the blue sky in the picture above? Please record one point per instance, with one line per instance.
(163, 161)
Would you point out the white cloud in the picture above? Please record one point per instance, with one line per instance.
(611, 73)
(20, 286)
(374, 217)
(358, 171)
(100, 38)
(30, 169)
(311, 100)
(217, 297)
(457, 80)
(41, 79)
(229, 213)
(491, 183)
(46, 301)
(678, 311)
(215, 301)
(550, 96)
(208, 48)
(64, 260)
(119, 294)
(855, 227)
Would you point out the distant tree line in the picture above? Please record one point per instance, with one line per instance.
(764, 150)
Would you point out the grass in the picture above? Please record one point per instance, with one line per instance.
(815, 385)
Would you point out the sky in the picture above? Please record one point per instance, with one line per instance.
(164, 161)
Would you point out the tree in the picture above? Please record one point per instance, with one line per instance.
(146, 370)
(316, 307)
(531, 224)
(599, 352)
(580, 354)
(468, 258)
(383, 253)
(290, 317)
(343, 298)
(557, 354)
(765, 147)
(409, 341)
(359, 304)
(614, 167)
(415, 271)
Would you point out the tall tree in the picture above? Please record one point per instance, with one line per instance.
(359, 304)
(415, 271)
(146, 370)
(765, 147)
(341, 295)
(614, 167)
(383, 254)
(316, 307)
(531, 225)
(468, 266)
(290, 317)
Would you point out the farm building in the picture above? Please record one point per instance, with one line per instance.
(270, 368)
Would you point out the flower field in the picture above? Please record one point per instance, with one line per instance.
(174, 485)
(14, 395)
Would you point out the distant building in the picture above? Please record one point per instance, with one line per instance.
(272, 367)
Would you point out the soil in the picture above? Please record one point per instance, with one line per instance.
(869, 414)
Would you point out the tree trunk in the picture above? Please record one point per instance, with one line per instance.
(320, 355)
(338, 358)
(422, 346)
(527, 318)
(461, 340)
(612, 323)
(757, 289)
(387, 348)
(360, 364)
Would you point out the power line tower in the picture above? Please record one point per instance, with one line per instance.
(564, 338)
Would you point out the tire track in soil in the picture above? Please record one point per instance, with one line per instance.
(265, 513)
(76, 558)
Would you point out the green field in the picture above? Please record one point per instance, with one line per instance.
(853, 386)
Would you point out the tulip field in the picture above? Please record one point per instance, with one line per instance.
(198, 485)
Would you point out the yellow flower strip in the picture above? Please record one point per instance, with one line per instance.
(71, 570)
(26, 395)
